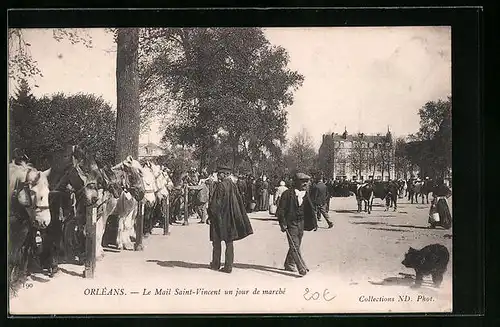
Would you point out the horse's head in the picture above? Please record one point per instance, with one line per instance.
(30, 188)
(132, 179)
(148, 178)
(112, 182)
(85, 176)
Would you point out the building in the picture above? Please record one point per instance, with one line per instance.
(357, 157)
(150, 151)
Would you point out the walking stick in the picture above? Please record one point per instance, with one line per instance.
(294, 248)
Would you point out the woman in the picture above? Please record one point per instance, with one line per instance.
(440, 205)
(264, 194)
(279, 191)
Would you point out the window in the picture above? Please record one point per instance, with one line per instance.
(341, 144)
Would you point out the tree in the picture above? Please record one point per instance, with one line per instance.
(434, 156)
(217, 79)
(127, 89)
(301, 155)
(22, 66)
(357, 158)
(44, 126)
(21, 119)
(402, 164)
(431, 116)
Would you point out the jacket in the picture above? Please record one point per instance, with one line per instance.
(288, 206)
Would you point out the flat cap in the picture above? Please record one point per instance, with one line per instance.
(223, 168)
(302, 176)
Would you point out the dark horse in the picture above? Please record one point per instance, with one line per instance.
(364, 193)
(426, 188)
(387, 191)
(73, 181)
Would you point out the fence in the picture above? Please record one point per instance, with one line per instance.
(92, 215)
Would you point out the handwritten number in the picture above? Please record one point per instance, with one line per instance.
(325, 293)
(308, 295)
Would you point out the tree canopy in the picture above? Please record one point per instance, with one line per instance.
(45, 125)
(219, 82)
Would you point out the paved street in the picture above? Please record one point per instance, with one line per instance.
(358, 262)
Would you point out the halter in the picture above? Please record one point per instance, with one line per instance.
(75, 166)
(25, 186)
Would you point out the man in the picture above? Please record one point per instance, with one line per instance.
(296, 214)
(202, 197)
(227, 218)
(319, 196)
(242, 187)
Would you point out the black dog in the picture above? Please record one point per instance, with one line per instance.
(430, 260)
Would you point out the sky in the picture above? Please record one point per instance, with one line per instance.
(364, 79)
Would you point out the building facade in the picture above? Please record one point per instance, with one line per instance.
(357, 157)
(150, 151)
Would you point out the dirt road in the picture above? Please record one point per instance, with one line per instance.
(354, 267)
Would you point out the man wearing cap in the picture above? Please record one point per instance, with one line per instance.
(227, 218)
(319, 196)
(296, 214)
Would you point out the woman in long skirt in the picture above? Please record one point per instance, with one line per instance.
(440, 206)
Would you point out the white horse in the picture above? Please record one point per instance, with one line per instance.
(31, 188)
(131, 173)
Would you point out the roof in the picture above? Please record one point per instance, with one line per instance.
(356, 138)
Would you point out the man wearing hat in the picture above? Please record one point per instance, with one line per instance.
(227, 218)
(296, 214)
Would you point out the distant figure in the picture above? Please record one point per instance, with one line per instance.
(227, 218)
(319, 196)
(279, 191)
(264, 195)
(440, 205)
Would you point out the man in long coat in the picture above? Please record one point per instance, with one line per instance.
(228, 219)
(295, 214)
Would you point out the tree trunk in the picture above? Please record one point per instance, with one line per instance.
(127, 90)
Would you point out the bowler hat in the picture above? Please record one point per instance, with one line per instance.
(224, 169)
(302, 177)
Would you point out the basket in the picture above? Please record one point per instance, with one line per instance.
(272, 209)
(434, 216)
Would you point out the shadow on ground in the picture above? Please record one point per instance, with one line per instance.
(71, 273)
(409, 226)
(264, 219)
(192, 265)
(346, 211)
(404, 280)
(367, 223)
(390, 229)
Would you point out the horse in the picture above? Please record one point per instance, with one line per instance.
(29, 212)
(163, 185)
(364, 194)
(74, 182)
(130, 173)
(387, 191)
(150, 189)
(426, 188)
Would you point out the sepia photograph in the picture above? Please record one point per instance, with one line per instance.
(225, 170)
